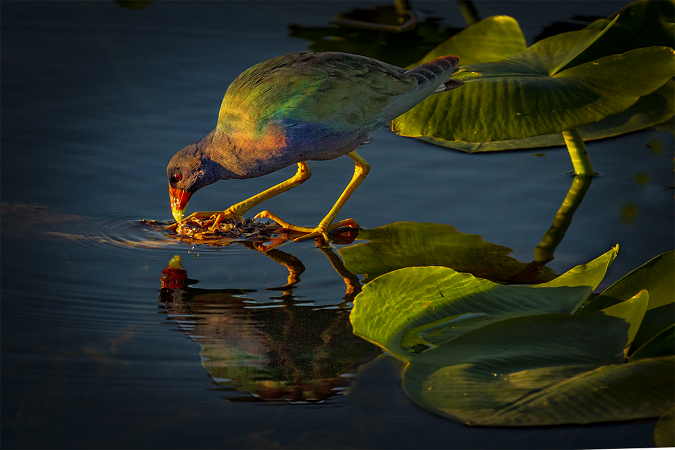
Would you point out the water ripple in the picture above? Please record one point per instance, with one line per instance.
(34, 222)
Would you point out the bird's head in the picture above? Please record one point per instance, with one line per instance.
(187, 172)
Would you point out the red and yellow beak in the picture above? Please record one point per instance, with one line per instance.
(179, 201)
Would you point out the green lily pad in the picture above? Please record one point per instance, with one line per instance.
(633, 312)
(490, 39)
(648, 111)
(439, 301)
(640, 24)
(528, 95)
(549, 369)
(444, 330)
(408, 244)
(658, 277)
(589, 274)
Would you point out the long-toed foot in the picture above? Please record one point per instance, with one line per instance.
(216, 216)
(322, 230)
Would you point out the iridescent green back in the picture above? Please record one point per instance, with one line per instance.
(339, 91)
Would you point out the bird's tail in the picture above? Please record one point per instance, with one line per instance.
(440, 68)
(432, 77)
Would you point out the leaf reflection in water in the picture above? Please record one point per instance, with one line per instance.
(411, 244)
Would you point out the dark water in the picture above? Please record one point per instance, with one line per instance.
(95, 100)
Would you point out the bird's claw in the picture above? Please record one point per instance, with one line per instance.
(319, 234)
(222, 215)
(320, 237)
(307, 233)
(216, 216)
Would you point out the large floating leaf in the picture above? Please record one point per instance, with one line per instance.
(633, 312)
(590, 274)
(408, 244)
(648, 111)
(438, 303)
(550, 369)
(658, 277)
(640, 24)
(527, 95)
(489, 40)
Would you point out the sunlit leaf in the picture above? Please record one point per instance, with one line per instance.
(409, 244)
(490, 39)
(658, 277)
(515, 98)
(433, 301)
(590, 274)
(444, 330)
(648, 111)
(632, 311)
(527, 94)
(550, 369)
(640, 24)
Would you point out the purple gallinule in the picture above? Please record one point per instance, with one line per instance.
(296, 108)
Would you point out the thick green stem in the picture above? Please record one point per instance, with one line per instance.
(578, 154)
(563, 218)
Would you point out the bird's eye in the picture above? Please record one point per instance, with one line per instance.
(176, 177)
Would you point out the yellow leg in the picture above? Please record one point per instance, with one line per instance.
(237, 210)
(361, 170)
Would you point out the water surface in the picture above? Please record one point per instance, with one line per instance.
(95, 353)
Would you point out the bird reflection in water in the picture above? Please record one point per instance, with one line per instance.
(276, 351)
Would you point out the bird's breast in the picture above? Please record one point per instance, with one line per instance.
(318, 141)
(282, 143)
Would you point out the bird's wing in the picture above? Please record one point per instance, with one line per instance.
(338, 90)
